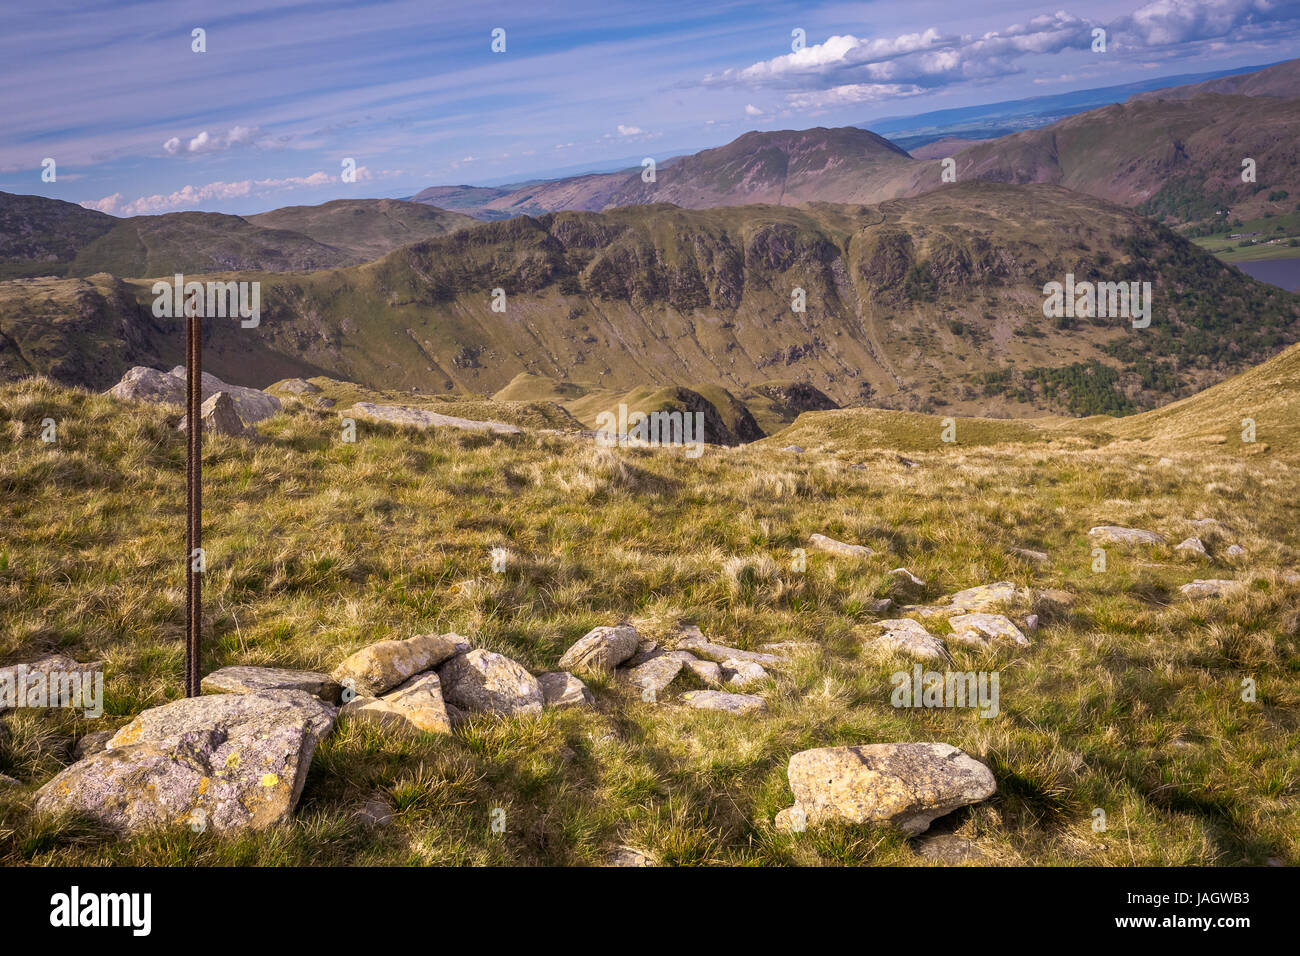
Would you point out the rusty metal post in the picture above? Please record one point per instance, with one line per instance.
(193, 495)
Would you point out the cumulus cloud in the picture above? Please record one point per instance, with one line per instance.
(629, 130)
(752, 110)
(206, 142)
(191, 196)
(848, 69)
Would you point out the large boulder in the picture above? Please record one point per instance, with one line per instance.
(240, 679)
(601, 650)
(562, 689)
(905, 636)
(414, 707)
(142, 384)
(378, 668)
(229, 761)
(904, 785)
(487, 682)
(219, 416)
(843, 549)
(1114, 534)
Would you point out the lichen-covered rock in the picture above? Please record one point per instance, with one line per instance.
(486, 682)
(708, 672)
(240, 679)
(414, 707)
(1114, 534)
(601, 649)
(654, 676)
(378, 668)
(38, 683)
(1212, 588)
(697, 644)
(1193, 546)
(219, 416)
(820, 542)
(92, 743)
(142, 384)
(905, 785)
(982, 629)
(989, 597)
(909, 637)
(229, 761)
(423, 418)
(738, 673)
(562, 689)
(737, 704)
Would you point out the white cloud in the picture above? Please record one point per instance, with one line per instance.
(206, 142)
(752, 110)
(190, 196)
(629, 130)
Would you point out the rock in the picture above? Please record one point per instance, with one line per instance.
(248, 680)
(219, 417)
(698, 645)
(414, 707)
(1213, 524)
(375, 812)
(325, 403)
(645, 650)
(654, 676)
(562, 689)
(908, 637)
(789, 649)
(983, 629)
(1038, 557)
(1062, 599)
(487, 682)
(928, 612)
(795, 449)
(990, 597)
(423, 418)
(601, 649)
(738, 673)
(229, 761)
(298, 386)
(707, 671)
(1212, 588)
(8, 781)
(1193, 546)
(92, 743)
(378, 668)
(631, 856)
(882, 605)
(904, 573)
(141, 384)
(904, 785)
(738, 704)
(1235, 551)
(820, 542)
(1113, 534)
(906, 462)
(1031, 622)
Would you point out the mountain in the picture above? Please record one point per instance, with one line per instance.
(40, 236)
(922, 303)
(1280, 80)
(784, 167)
(364, 229)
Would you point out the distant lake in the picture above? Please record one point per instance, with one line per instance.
(1279, 272)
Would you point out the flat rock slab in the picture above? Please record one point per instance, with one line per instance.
(739, 673)
(904, 785)
(601, 649)
(982, 630)
(1028, 554)
(719, 653)
(1212, 588)
(909, 637)
(820, 542)
(423, 418)
(37, 683)
(562, 689)
(654, 676)
(486, 682)
(988, 597)
(229, 761)
(241, 679)
(737, 704)
(378, 668)
(414, 707)
(1114, 534)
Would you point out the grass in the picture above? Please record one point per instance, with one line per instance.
(1130, 701)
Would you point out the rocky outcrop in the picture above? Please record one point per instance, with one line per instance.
(983, 630)
(143, 384)
(219, 417)
(229, 761)
(905, 636)
(562, 689)
(905, 785)
(414, 707)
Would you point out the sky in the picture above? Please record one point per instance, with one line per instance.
(114, 102)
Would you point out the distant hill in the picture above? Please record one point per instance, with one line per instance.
(364, 229)
(41, 237)
(1280, 80)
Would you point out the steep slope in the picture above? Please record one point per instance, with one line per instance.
(364, 229)
(1281, 80)
(200, 242)
(40, 236)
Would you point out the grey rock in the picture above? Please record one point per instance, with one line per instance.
(423, 418)
(562, 689)
(982, 630)
(1193, 546)
(1114, 534)
(219, 417)
(601, 649)
(486, 682)
(842, 549)
(241, 679)
(1212, 588)
(654, 676)
(414, 707)
(737, 704)
(903, 635)
(92, 743)
(738, 673)
(378, 668)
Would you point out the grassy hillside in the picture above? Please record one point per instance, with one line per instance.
(40, 237)
(365, 229)
(1128, 699)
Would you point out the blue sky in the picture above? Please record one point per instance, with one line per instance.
(137, 122)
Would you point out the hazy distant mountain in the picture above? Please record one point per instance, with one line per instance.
(365, 229)
(1281, 80)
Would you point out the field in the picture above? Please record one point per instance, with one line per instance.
(1130, 700)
